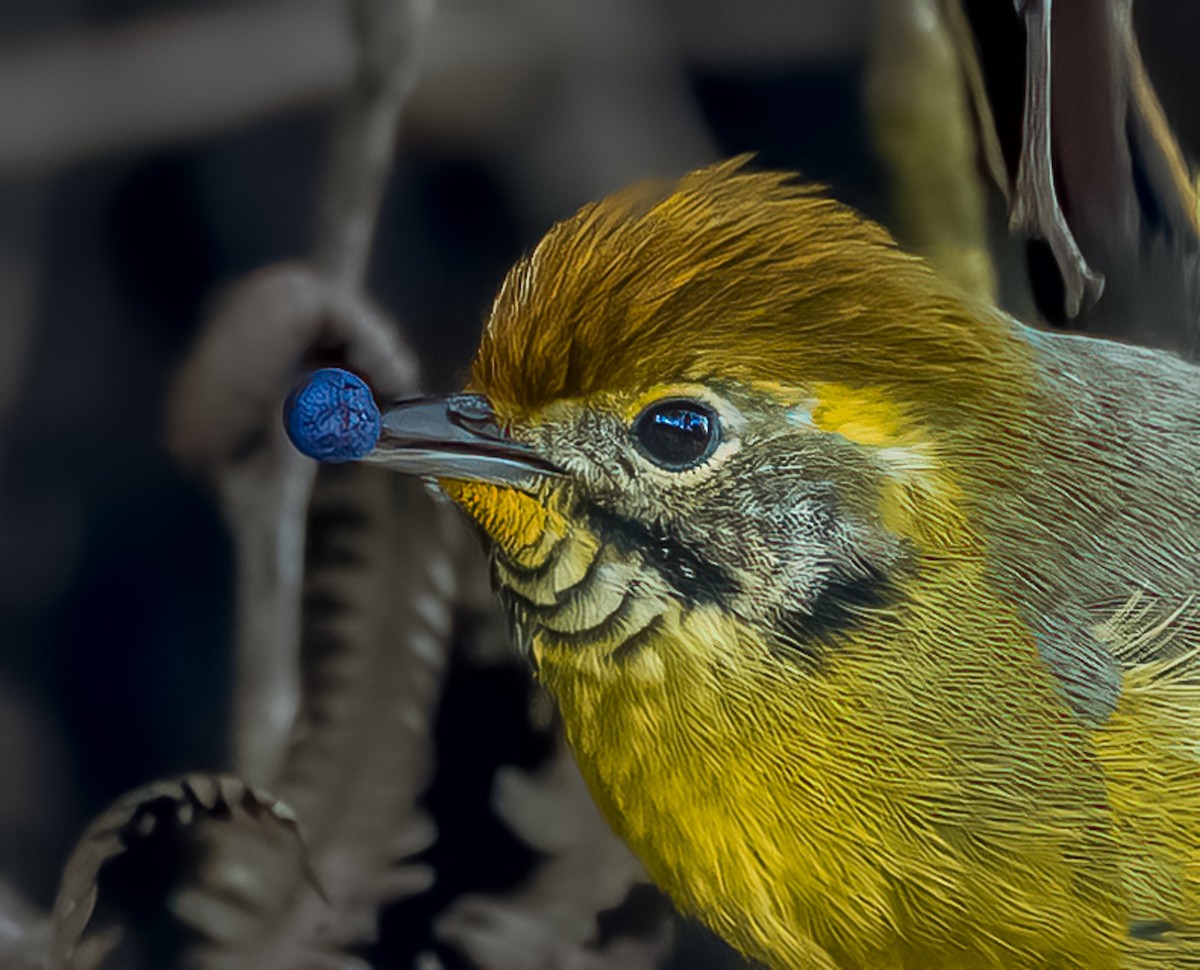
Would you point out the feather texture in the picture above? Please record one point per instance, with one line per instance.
(967, 763)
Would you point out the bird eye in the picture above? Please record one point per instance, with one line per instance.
(677, 434)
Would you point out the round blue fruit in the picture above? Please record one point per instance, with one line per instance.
(331, 416)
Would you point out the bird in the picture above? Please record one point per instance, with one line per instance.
(872, 614)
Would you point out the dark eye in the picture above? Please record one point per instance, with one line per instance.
(677, 434)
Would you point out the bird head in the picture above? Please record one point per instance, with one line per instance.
(729, 403)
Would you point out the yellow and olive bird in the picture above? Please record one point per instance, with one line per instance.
(873, 615)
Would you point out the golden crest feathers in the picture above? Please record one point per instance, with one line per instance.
(743, 275)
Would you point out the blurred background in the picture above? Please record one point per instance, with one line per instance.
(152, 152)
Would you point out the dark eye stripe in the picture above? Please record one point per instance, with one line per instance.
(694, 578)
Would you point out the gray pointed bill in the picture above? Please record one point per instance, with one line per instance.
(456, 437)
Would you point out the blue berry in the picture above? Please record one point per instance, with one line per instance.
(332, 416)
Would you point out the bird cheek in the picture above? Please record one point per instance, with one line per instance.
(519, 523)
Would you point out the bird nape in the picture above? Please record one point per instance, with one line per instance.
(872, 614)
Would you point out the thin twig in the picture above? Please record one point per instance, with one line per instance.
(390, 37)
(356, 764)
(1036, 210)
(270, 534)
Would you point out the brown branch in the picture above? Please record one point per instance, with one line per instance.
(223, 423)
(154, 811)
(1036, 211)
(166, 77)
(183, 75)
(389, 36)
(230, 390)
(1093, 168)
(348, 744)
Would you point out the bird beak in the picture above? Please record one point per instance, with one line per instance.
(456, 437)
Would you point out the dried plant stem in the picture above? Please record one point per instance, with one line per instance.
(1036, 210)
(389, 36)
(269, 529)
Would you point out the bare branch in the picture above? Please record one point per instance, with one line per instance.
(186, 75)
(378, 581)
(390, 37)
(223, 423)
(334, 704)
(1036, 210)
(142, 814)
(167, 77)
